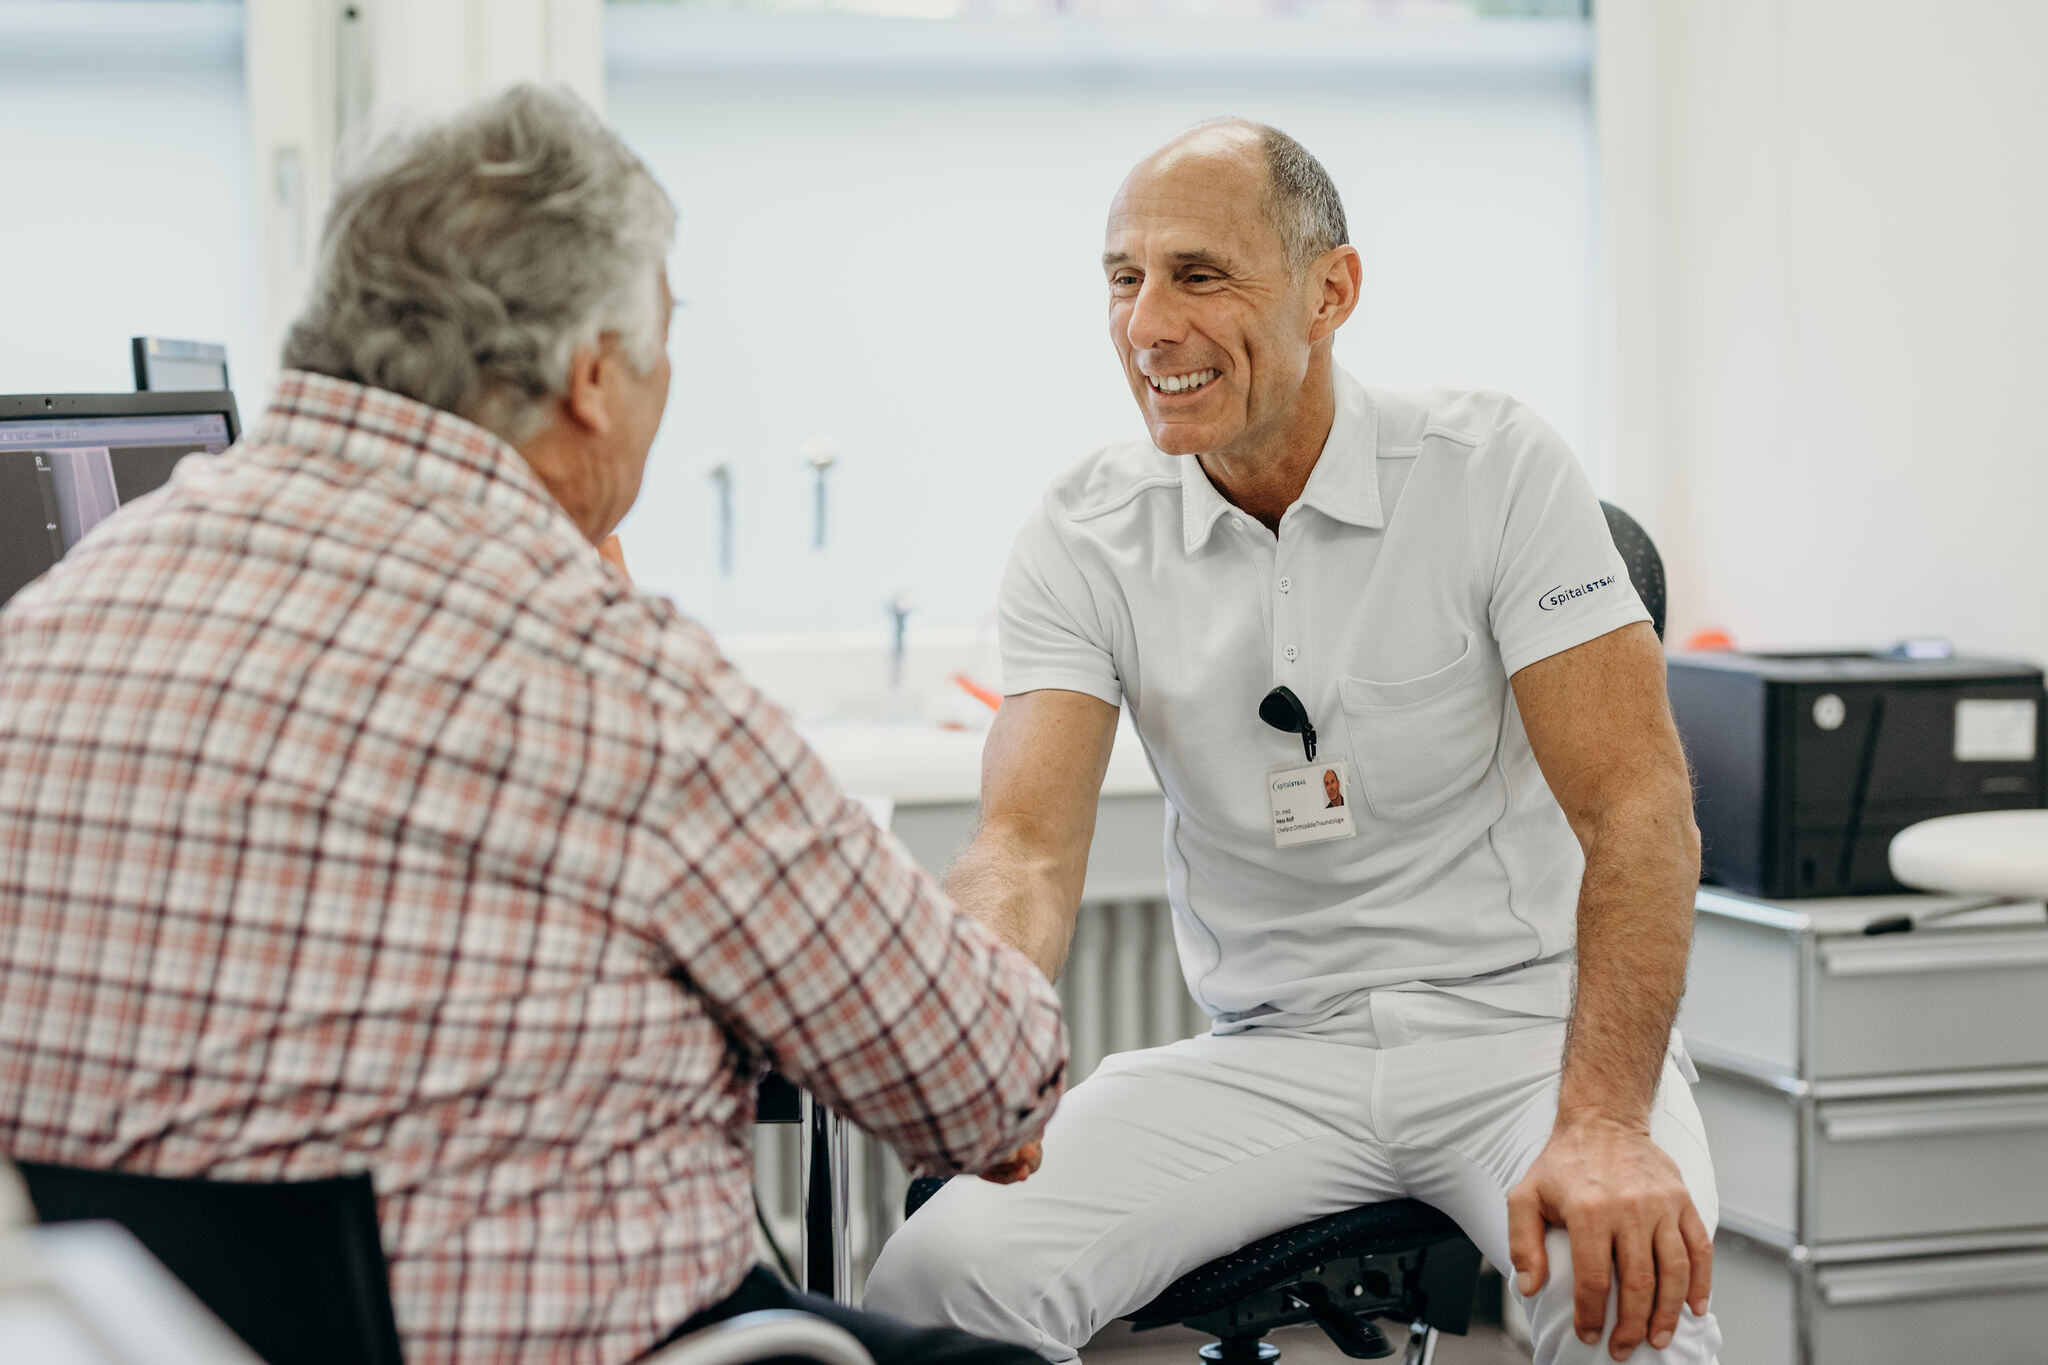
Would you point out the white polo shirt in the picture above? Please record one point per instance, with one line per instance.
(1444, 541)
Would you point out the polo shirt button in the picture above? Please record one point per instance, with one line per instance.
(1286, 585)
(1289, 653)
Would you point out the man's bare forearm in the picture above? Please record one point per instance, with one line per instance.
(1006, 879)
(1635, 933)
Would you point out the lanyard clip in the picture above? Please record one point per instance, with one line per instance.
(1282, 710)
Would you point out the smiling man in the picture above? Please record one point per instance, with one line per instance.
(1458, 986)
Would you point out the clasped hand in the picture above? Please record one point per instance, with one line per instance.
(1017, 1166)
(1631, 1221)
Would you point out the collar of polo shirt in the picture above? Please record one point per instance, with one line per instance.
(1344, 485)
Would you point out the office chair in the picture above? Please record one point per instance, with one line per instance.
(297, 1269)
(1401, 1259)
(1645, 565)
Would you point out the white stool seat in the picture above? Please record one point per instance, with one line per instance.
(1994, 852)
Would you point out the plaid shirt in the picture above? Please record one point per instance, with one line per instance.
(355, 816)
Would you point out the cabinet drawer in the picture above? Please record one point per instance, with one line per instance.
(1908, 1168)
(1986, 1309)
(1932, 1000)
(1881, 1169)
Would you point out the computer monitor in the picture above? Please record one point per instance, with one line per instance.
(165, 363)
(68, 460)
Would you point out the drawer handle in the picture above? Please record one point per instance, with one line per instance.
(1937, 1280)
(1914, 958)
(1931, 1122)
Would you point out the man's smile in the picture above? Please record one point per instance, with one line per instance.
(1181, 383)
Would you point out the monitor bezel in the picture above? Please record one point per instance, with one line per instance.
(153, 403)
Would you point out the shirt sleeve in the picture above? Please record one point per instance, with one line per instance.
(1557, 579)
(824, 947)
(1048, 620)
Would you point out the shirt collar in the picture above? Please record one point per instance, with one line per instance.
(317, 414)
(1201, 506)
(1344, 485)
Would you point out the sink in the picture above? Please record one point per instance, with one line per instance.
(912, 763)
(903, 744)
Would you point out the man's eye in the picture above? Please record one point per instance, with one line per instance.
(1122, 281)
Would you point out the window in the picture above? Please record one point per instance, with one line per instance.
(889, 233)
(124, 144)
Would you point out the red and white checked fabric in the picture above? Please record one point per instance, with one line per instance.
(355, 816)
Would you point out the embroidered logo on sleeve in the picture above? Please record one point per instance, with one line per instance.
(1553, 598)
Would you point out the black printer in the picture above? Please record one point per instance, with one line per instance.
(1808, 764)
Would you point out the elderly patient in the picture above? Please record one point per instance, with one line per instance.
(356, 815)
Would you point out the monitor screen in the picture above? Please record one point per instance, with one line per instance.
(179, 372)
(60, 476)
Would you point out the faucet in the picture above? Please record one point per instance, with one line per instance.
(899, 607)
(721, 479)
(820, 454)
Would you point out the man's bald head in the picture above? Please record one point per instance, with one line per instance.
(1301, 200)
(1228, 278)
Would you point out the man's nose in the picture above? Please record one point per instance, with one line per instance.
(1156, 318)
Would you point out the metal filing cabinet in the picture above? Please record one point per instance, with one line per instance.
(1877, 1108)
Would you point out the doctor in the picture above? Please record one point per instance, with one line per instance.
(1457, 986)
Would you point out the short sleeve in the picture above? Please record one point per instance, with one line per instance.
(1051, 628)
(1558, 580)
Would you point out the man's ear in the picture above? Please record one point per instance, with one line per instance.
(1337, 279)
(583, 400)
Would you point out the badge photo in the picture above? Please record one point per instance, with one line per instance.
(1310, 803)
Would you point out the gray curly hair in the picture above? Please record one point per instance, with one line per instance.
(463, 264)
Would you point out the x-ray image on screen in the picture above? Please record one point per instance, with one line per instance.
(83, 481)
(31, 538)
(61, 476)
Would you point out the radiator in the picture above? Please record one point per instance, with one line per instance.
(1121, 990)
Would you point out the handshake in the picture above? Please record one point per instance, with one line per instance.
(1016, 1166)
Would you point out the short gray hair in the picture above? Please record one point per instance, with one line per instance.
(1301, 199)
(463, 264)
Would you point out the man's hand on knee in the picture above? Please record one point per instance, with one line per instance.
(1630, 1219)
(1017, 1166)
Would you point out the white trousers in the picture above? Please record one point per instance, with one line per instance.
(1167, 1158)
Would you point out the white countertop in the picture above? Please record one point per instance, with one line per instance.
(1831, 917)
(916, 764)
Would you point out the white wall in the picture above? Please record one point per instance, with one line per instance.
(147, 188)
(909, 265)
(1827, 233)
(125, 193)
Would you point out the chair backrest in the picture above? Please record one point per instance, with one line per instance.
(296, 1270)
(1645, 565)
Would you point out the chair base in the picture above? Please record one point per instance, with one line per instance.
(1421, 1345)
(1399, 1260)
(1253, 1350)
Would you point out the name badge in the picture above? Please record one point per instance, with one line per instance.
(1311, 803)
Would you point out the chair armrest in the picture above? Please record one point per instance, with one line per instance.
(762, 1336)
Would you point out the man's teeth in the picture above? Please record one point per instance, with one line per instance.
(1181, 383)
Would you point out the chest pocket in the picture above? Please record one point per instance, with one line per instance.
(1416, 744)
